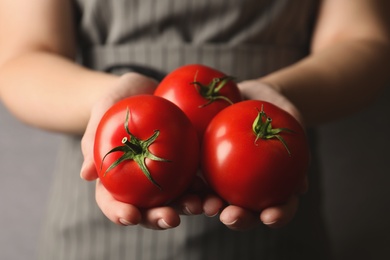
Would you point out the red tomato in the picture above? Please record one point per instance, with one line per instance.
(200, 91)
(250, 161)
(146, 151)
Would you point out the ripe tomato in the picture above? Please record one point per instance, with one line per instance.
(200, 91)
(250, 161)
(146, 151)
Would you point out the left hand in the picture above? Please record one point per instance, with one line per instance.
(237, 218)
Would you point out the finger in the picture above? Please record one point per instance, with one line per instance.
(212, 205)
(116, 211)
(160, 218)
(88, 170)
(189, 204)
(279, 216)
(237, 218)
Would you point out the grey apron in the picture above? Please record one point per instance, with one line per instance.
(243, 38)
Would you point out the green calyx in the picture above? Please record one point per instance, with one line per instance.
(262, 128)
(211, 91)
(137, 150)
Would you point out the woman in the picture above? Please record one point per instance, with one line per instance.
(61, 67)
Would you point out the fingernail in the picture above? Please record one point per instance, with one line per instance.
(211, 215)
(82, 170)
(125, 222)
(162, 224)
(187, 211)
(230, 223)
(269, 223)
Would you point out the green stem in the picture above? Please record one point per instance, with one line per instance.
(136, 150)
(211, 91)
(262, 128)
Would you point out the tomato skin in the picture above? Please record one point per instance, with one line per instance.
(176, 142)
(178, 87)
(248, 173)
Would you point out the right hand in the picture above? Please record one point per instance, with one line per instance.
(118, 212)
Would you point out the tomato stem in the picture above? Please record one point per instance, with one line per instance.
(135, 149)
(262, 128)
(211, 91)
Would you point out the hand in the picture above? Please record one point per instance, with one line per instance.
(255, 89)
(237, 218)
(118, 212)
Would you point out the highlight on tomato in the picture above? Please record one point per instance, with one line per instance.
(146, 151)
(200, 91)
(254, 155)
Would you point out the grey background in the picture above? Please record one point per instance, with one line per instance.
(355, 154)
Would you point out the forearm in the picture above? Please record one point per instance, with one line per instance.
(334, 82)
(51, 92)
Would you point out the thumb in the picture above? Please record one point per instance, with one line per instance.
(88, 170)
(127, 85)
